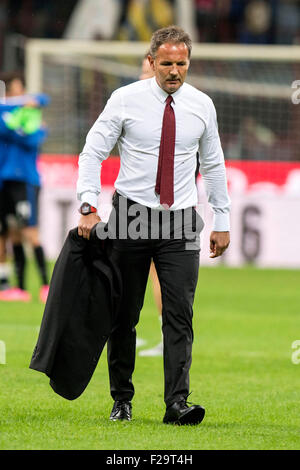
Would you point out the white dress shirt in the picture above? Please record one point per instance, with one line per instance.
(132, 118)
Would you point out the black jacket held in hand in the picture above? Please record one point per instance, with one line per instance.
(79, 315)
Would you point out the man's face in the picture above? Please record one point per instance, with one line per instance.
(170, 65)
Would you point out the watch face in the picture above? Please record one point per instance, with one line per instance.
(85, 209)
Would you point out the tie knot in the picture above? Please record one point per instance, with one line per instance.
(169, 99)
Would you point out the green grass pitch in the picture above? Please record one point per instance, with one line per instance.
(245, 321)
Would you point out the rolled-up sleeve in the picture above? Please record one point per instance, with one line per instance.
(212, 169)
(100, 140)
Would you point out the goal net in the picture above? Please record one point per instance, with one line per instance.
(251, 87)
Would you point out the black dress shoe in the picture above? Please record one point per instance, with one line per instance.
(121, 411)
(180, 413)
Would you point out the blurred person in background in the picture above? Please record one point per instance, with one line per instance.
(212, 20)
(257, 24)
(287, 22)
(21, 135)
(253, 141)
(206, 19)
(139, 18)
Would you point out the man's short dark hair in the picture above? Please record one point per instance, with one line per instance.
(170, 34)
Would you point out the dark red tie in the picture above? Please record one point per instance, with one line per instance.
(165, 171)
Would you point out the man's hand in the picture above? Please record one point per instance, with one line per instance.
(86, 223)
(219, 241)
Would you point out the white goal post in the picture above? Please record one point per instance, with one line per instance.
(36, 48)
(251, 86)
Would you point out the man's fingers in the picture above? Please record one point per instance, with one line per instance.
(217, 251)
(219, 241)
(86, 231)
(86, 223)
(212, 249)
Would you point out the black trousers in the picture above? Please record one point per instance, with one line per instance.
(177, 265)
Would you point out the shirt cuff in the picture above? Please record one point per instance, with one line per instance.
(90, 198)
(221, 222)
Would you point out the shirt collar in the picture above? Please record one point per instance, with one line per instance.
(161, 94)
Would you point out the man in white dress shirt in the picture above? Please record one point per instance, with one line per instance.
(159, 125)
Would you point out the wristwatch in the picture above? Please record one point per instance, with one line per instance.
(86, 209)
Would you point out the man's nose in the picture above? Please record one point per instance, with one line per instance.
(174, 70)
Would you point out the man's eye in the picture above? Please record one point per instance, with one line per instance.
(169, 64)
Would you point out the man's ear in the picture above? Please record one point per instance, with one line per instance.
(151, 62)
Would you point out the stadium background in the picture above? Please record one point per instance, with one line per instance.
(247, 58)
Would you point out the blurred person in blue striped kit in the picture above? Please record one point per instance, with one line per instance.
(21, 135)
